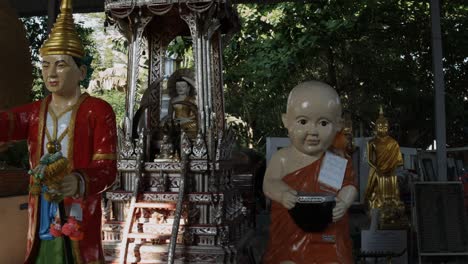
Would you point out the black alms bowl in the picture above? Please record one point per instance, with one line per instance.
(313, 211)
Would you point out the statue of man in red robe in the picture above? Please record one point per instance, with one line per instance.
(75, 127)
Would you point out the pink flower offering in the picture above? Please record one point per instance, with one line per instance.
(55, 230)
(72, 229)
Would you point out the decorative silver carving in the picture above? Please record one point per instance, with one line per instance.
(119, 196)
(140, 143)
(191, 19)
(138, 24)
(164, 166)
(120, 9)
(172, 197)
(162, 228)
(203, 258)
(126, 165)
(219, 145)
(217, 83)
(195, 166)
(156, 67)
(199, 148)
(216, 213)
(159, 9)
(174, 184)
(185, 145)
(158, 184)
(193, 214)
(225, 144)
(127, 149)
(200, 165)
(224, 236)
(204, 230)
(199, 8)
(167, 166)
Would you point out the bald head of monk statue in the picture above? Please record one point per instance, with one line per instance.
(313, 117)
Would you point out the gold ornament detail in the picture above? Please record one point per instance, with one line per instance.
(381, 119)
(63, 38)
(52, 168)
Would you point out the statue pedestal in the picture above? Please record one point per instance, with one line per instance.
(381, 243)
(385, 242)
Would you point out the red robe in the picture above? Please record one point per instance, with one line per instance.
(91, 152)
(288, 242)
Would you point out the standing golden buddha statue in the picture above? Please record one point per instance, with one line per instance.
(382, 190)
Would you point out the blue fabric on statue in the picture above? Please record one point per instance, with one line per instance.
(48, 211)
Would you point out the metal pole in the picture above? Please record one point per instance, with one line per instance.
(439, 91)
(185, 150)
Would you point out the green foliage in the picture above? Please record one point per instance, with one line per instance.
(92, 56)
(179, 46)
(36, 29)
(372, 52)
(117, 100)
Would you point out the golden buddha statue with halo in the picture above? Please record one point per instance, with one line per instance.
(382, 190)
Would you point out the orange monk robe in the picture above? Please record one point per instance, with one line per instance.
(288, 241)
(388, 155)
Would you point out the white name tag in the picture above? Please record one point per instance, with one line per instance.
(332, 170)
(76, 211)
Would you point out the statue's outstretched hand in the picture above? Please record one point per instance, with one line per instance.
(340, 209)
(289, 198)
(69, 185)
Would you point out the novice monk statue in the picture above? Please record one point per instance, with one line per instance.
(313, 120)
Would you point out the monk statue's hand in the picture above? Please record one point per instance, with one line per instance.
(340, 209)
(70, 185)
(289, 198)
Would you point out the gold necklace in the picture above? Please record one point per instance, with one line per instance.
(54, 142)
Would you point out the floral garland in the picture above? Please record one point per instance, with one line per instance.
(71, 228)
(52, 168)
(50, 172)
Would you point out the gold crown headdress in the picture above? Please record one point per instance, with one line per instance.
(381, 119)
(63, 38)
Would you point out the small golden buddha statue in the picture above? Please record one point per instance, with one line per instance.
(183, 109)
(382, 190)
(167, 149)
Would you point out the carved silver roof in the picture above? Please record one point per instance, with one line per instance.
(113, 4)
